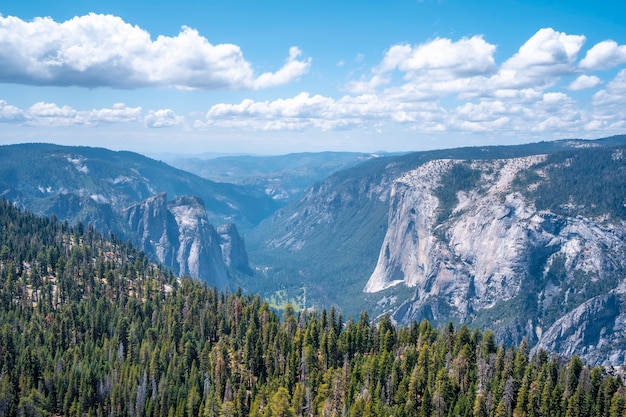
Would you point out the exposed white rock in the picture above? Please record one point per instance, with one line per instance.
(179, 234)
(493, 242)
(593, 330)
(199, 253)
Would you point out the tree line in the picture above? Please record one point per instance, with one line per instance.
(89, 327)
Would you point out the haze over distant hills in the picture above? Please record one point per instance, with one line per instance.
(283, 177)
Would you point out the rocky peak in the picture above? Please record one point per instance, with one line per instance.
(233, 248)
(179, 235)
(493, 248)
(153, 228)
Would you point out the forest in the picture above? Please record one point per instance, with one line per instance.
(89, 327)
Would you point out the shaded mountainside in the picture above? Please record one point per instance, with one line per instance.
(510, 238)
(125, 193)
(40, 177)
(90, 327)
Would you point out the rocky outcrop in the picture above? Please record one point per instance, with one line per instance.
(199, 253)
(498, 262)
(473, 259)
(595, 330)
(154, 230)
(233, 248)
(179, 235)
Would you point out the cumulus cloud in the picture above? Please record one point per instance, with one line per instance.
(102, 50)
(435, 66)
(442, 85)
(603, 55)
(119, 113)
(546, 50)
(585, 82)
(9, 113)
(163, 118)
(466, 68)
(615, 93)
(51, 114)
(546, 55)
(468, 56)
(306, 111)
(449, 86)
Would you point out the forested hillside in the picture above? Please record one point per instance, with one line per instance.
(89, 327)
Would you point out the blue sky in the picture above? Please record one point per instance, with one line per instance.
(270, 77)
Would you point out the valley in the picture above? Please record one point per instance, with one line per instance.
(522, 240)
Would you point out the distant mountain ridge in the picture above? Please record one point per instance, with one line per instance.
(283, 177)
(41, 174)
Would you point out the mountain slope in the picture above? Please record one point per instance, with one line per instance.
(492, 248)
(126, 193)
(488, 236)
(283, 177)
(90, 327)
(41, 176)
(329, 239)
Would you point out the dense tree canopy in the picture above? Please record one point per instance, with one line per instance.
(89, 327)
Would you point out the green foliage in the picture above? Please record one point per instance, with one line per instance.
(459, 178)
(98, 330)
(587, 182)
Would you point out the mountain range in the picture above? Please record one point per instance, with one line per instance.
(518, 239)
(169, 213)
(283, 177)
(526, 240)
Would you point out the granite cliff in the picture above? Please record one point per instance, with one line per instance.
(494, 258)
(178, 234)
(511, 239)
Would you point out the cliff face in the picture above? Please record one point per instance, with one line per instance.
(594, 330)
(155, 229)
(199, 253)
(233, 248)
(495, 260)
(179, 235)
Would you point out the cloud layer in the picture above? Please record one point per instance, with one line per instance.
(102, 50)
(456, 86)
(550, 84)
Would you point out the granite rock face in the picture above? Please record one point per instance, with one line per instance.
(233, 248)
(179, 235)
(495, 253)
(594, 330)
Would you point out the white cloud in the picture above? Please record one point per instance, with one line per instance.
(466, 68)
(51, 114)
(120, 113)
(439, 86)
(468, 56)
(9, 113)
(432, 69)
(102, 50)
(546, 55)
(603, 55)
(614, 95)
(545, 49)
(290, 71)
(163, 118)
(585, 82)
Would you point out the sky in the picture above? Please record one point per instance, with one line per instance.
(275, 77)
